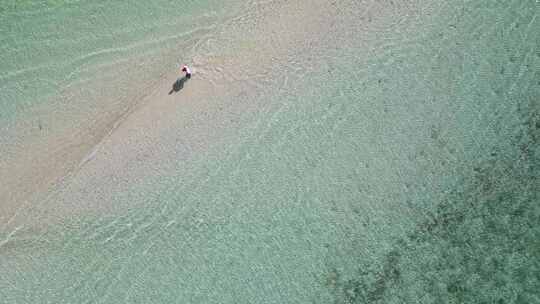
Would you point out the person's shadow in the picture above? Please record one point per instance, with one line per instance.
(178, 84)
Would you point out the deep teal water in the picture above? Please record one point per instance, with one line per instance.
(406, 176)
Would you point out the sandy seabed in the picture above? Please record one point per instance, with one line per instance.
(324, 151)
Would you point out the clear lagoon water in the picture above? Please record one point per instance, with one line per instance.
(389, 156)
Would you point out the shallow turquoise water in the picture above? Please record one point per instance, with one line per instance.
(49, 46)
(406, 176)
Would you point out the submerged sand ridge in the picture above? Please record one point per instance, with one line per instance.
(48, 143)
(243, 58)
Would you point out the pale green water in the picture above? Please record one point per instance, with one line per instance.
(406, 176)
(50, 45)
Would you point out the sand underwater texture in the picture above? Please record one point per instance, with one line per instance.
(323, 152)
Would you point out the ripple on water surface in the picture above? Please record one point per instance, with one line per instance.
(394, 166)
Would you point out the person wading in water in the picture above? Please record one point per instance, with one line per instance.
(179, 83)
(187, 70)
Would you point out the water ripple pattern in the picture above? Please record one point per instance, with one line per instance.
(323, 152)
